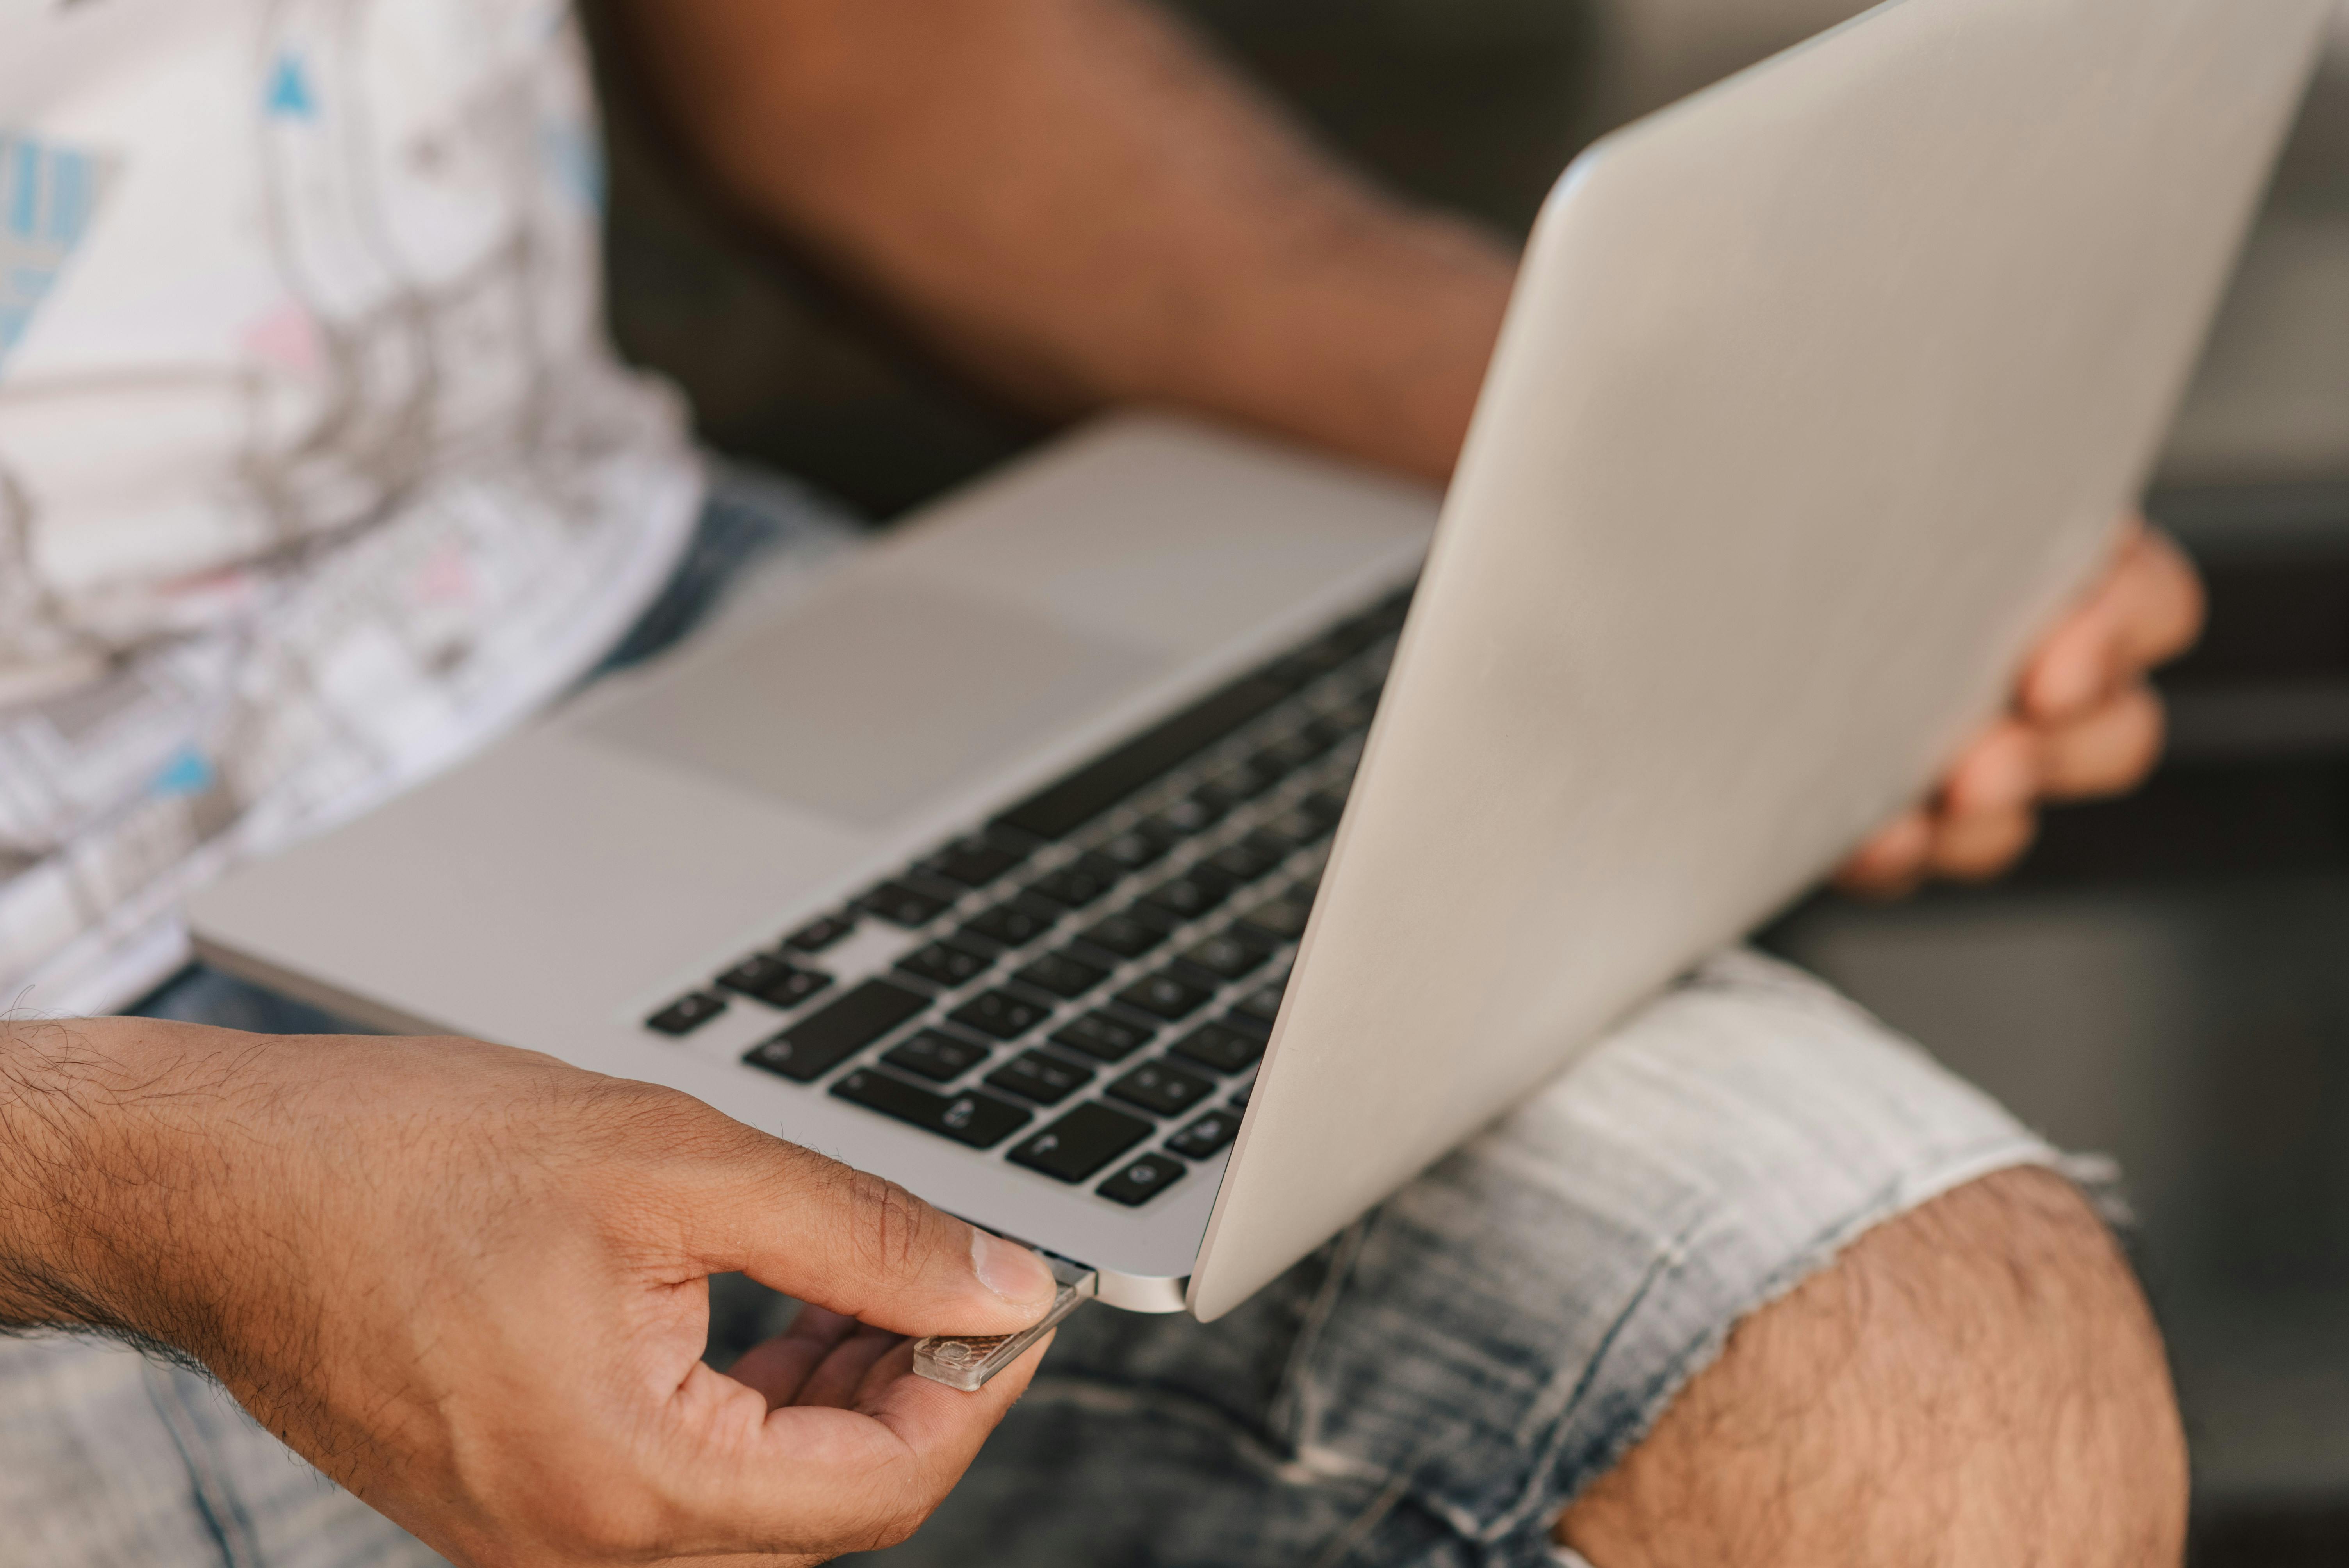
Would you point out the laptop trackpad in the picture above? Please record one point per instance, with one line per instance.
(869, 703)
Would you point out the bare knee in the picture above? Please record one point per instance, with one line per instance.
(1977, 1382)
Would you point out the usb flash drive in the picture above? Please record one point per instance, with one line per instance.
(968, 1361)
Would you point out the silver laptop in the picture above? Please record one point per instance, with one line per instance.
(1124, 856)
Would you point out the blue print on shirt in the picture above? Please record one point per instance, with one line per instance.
(289, 90)
(48, 197)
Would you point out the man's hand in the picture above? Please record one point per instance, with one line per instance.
(2086, 722)
(470, 1283)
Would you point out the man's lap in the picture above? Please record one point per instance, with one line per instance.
(1437, 1385)
(1430, 1389)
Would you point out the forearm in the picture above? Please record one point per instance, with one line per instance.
(1070, 198)
(97, 1172)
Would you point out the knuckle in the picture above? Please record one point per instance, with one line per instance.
(888, 1228)
(648, 1117)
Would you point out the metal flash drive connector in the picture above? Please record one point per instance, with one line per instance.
(967, 1362)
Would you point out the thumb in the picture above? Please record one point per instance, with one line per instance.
(848, 1241)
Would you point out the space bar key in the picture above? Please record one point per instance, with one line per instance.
(814, 1045)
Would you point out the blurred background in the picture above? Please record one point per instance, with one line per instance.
(2165, 981)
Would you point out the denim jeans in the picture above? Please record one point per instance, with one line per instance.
(1430, 1389)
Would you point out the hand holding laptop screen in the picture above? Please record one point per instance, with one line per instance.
(2085, 722)
(484, 1311)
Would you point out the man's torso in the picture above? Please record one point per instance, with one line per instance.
(315, 469)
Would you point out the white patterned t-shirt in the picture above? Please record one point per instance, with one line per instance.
(315, 469)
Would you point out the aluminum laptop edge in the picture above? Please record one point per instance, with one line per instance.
(1820, 393)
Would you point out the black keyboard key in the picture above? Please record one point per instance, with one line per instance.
(1295, 828)
(1353, 717)
(980, 1120)
(821, 1042)
(1001, 1014)
(1220, 1047)
(819, 934)
(1100, 1035)
(1163, 1088)
(934, 1054)
(1206, 1137)
(974, 863)
(1016, 924)
(1240, 1101)
(1228, 956)
(1218, 798)
(1272, 844)
(753, 973)
(1124, 935)
(1134, 849)
(1320, 735)
(1281, 919)
(1141, 1180)
(1327, 804)
(1246, 782)
(1253, 1027)
(1192, 894)
(1082, 882)
(1247, 860)
(1287, 754)
(1164, 995)
(1151, 914)
(1081, 1142)
(902, 905)
(1061, 975)
(773, 981)
(943, 964)
(1195, 815)
(1041, 1077)
(790, 990)
(1263, 1004)
(1061, 810)
(687, 1013)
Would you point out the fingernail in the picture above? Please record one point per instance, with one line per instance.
(1010, 1270)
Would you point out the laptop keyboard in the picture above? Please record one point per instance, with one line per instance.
(1093, 977)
